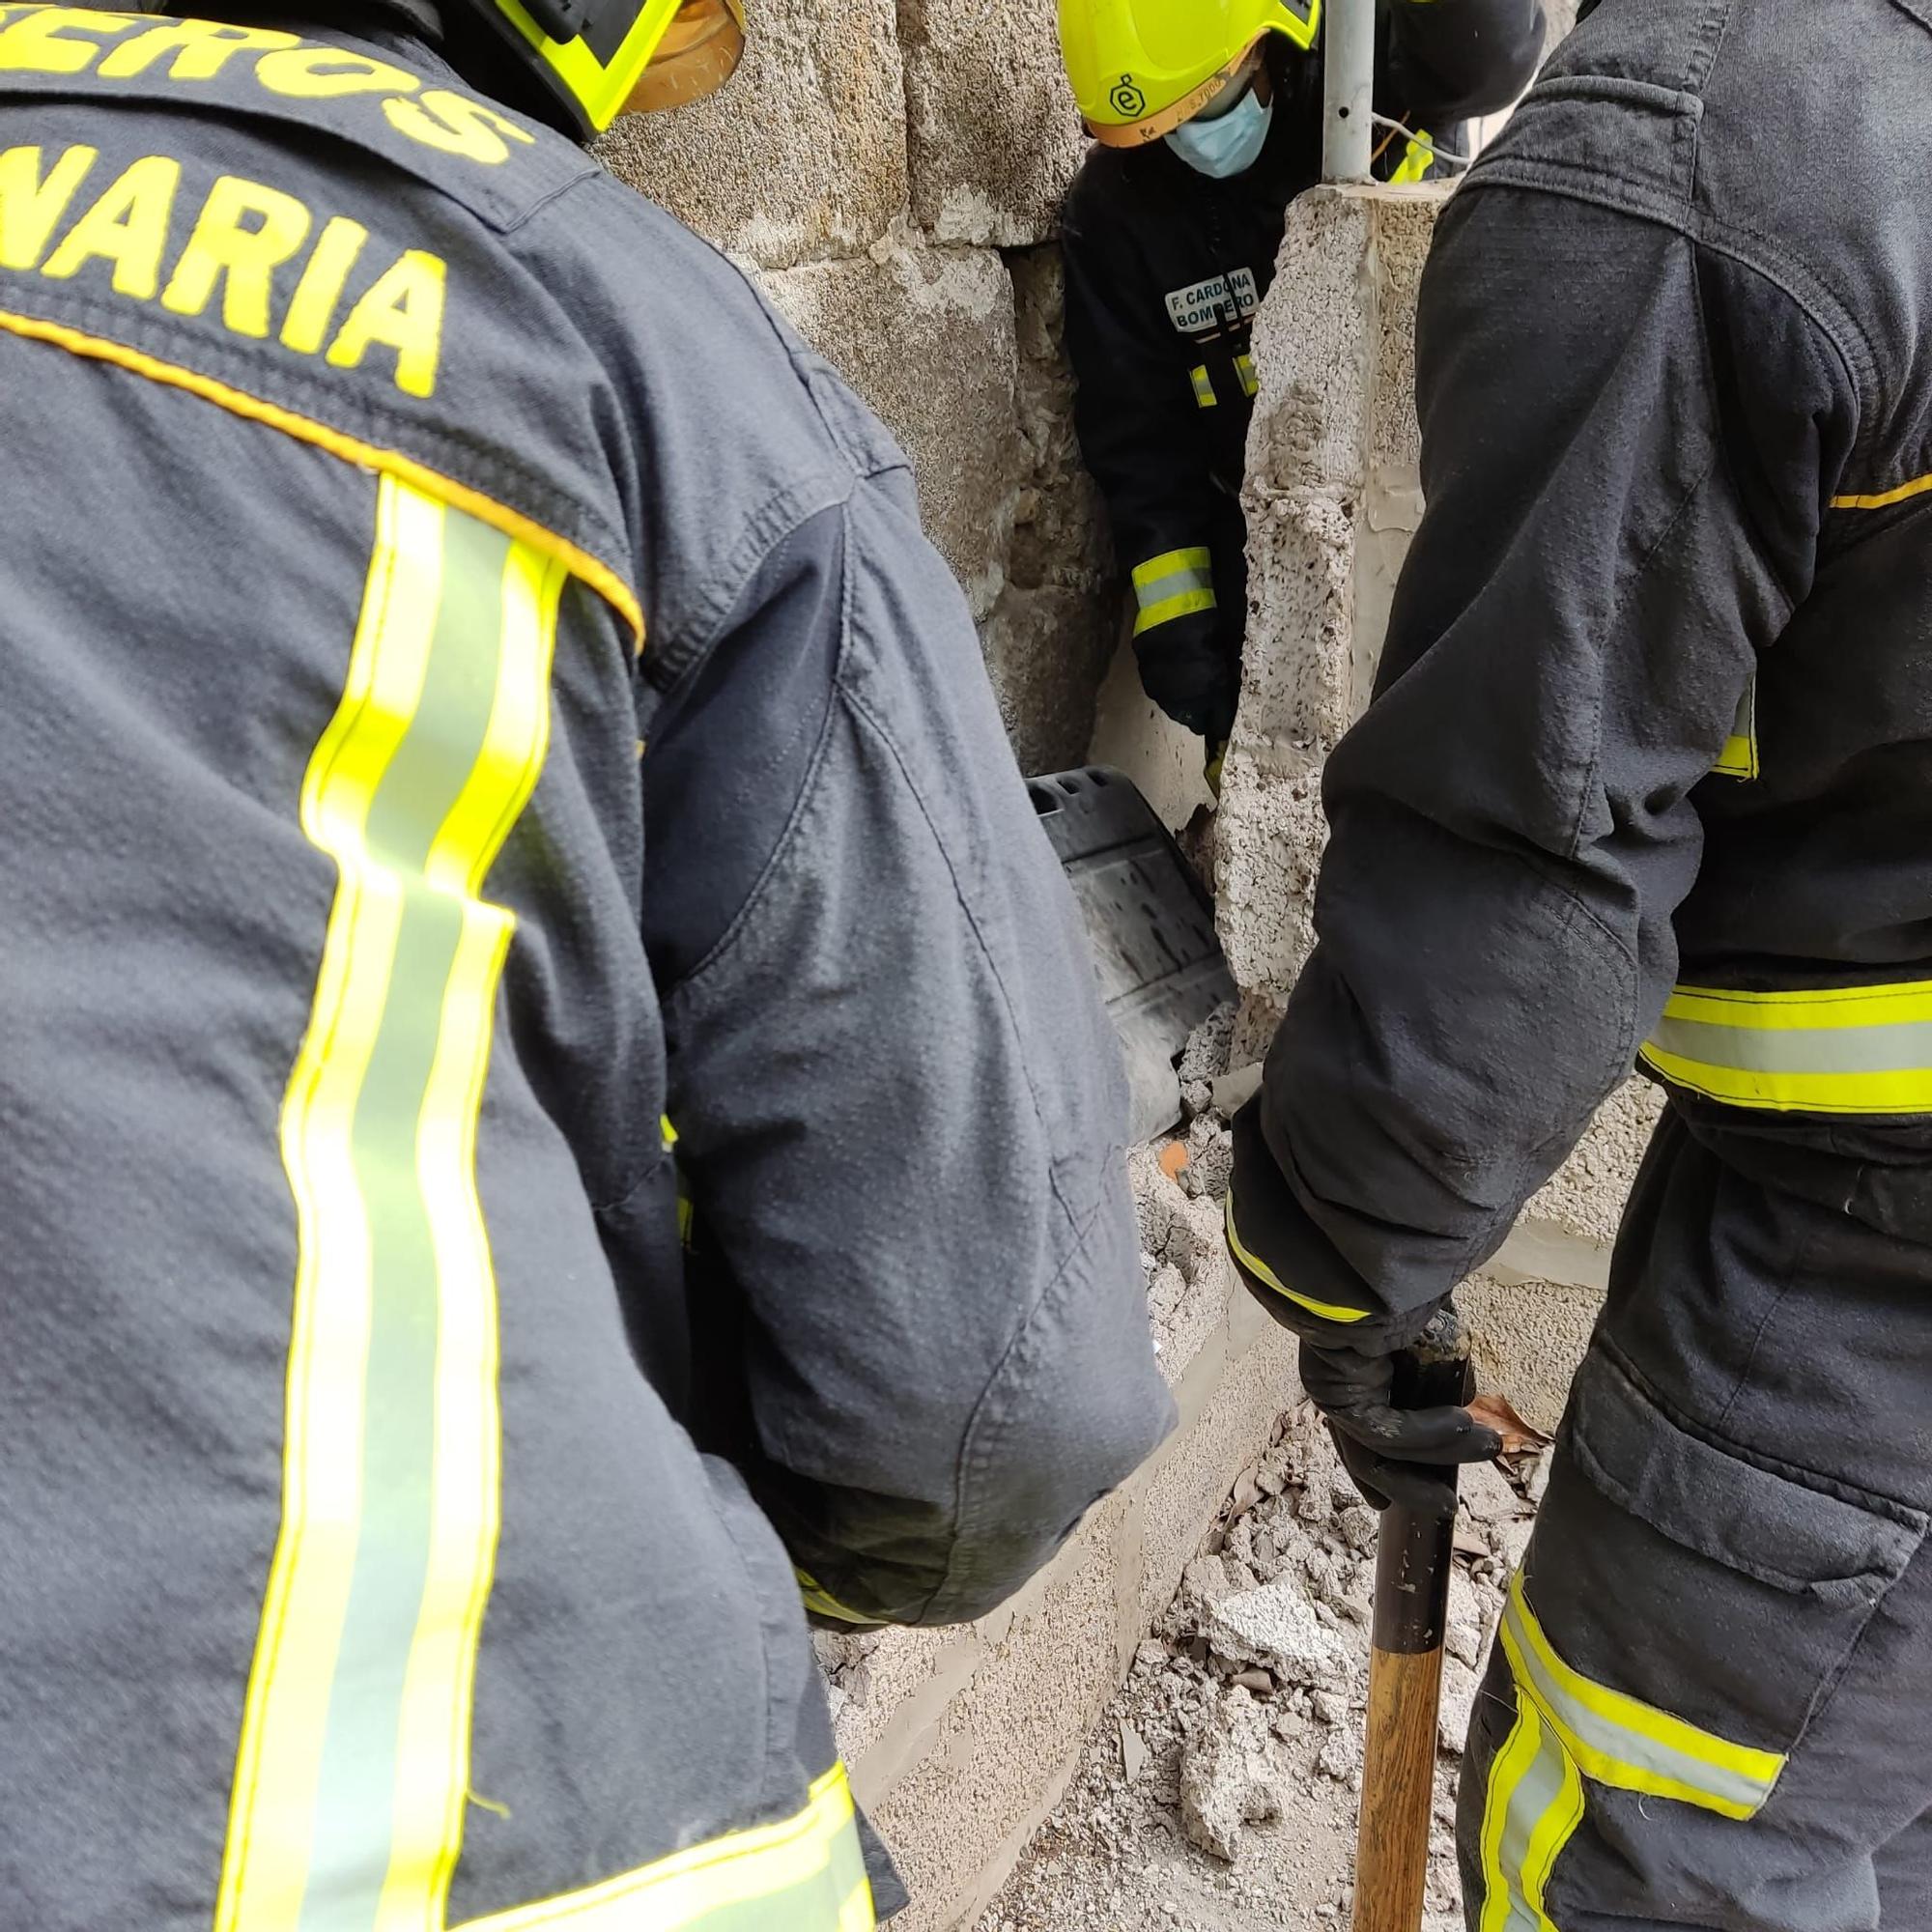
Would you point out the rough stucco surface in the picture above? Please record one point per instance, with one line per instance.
(803, 154)
(890, 172)
(949, 358)
(1529, 1337)
(993, 131)
(1132, 733)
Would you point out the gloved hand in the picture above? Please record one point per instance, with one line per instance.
(1393, 1454)
(1186, 670)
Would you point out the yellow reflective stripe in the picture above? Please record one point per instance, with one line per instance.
(1832, 1050)
(1901, 1093)
(1620, 1740)
(1244, 368)
(1807, 1009)
(433, 1741)
(687, 1213)
(1418, 157)
(1884, 500)
(1739, 758)
(1530, 1811)
(353, 1767)
(1328, 1311)
(823, 1603)
(1203, 386)
(805, 1873)
(592, 569)
(1182, 605)
(1170, 563)
(1174, 584)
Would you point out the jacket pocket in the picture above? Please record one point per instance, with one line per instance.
(1723, 1593)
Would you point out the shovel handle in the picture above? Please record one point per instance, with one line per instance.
(1413, 1556)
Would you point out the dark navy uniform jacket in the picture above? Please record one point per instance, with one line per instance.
(482, 737)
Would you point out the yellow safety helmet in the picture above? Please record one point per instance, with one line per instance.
(1140, 68)
(597, 59)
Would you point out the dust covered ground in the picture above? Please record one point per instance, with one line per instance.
(1217, 1794)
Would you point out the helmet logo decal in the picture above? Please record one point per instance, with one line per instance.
(1127, 100)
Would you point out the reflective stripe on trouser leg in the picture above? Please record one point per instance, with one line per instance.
(1171, 586)
(1535, 1802)
(1570, 1729)
(1829, 1050)
(351, 1780)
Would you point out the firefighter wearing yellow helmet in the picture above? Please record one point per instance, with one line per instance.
(1207, 119)
(493, 773)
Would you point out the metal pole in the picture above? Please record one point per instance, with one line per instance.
(1349, 89)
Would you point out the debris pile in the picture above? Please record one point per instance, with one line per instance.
(1180, 1185)
(1218, 1792)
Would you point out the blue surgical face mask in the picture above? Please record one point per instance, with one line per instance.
(1227, 145)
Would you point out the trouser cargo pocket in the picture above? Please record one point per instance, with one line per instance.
(1682, 1616)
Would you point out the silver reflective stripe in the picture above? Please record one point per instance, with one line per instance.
(1619, 1741)
(1173, 585)
(1538, 1816)
(1739, 759)
(1874, 1050)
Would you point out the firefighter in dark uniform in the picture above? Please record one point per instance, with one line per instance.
(485, 741)
(1648, 776)
(1209, 120)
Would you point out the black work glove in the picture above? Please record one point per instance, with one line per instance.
(1186, 670)
(1394, 1453)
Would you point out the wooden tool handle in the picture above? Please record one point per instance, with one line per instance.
(1398, 1790)
(1413, 1556)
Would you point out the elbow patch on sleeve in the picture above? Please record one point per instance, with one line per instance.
(722, 773)
(1075, 1406)
(1440, 1072)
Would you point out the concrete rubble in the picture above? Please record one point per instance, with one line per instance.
(1233, 1809)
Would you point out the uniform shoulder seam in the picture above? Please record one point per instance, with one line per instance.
(612, 584)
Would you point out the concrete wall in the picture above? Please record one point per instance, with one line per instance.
(1332, 496)
(889, 171)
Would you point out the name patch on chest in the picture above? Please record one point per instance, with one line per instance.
(1202, 307)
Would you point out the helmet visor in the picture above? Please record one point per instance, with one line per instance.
(1125, 98)
(700, 52)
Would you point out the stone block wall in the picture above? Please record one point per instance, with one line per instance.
(890, 172)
